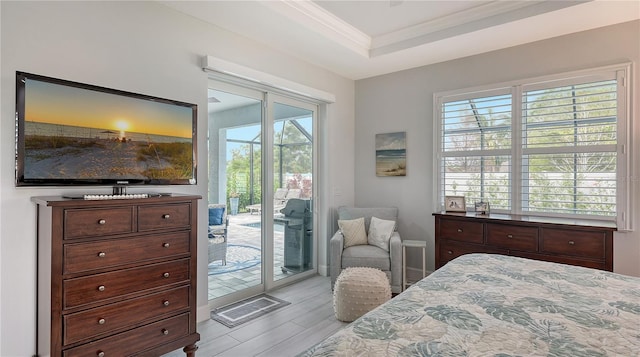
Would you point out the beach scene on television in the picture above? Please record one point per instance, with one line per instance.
(391, 154)
(77, 133)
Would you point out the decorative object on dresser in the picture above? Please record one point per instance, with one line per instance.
(454, 204)
(117, 277)
(587, 243)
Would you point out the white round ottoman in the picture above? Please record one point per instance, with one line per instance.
(358, 291)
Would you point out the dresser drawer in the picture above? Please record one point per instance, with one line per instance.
(464, 231)
(513, 237)
(97, 287)
(586, 244)
(163, 217)
(80, 257)
(139, 339)
(84, 223)
(109, 318)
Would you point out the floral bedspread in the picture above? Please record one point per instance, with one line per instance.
(500, 306)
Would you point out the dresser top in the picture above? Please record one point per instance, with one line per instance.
(65, 201)
(531, 219)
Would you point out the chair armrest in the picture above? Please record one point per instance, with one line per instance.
(395, 254)
(336, 245)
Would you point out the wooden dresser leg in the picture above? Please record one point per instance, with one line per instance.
(190, 350)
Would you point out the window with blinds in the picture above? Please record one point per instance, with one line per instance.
(569, 149)
(550, 146)
(476, 149)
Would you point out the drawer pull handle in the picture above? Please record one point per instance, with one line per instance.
(102, 254)
(572, 242)
(101, 321)
(166, 303)
(449, 252)
(166, 275)
(166, 245)
(100, 354)
(101, 288)
(509, 236)
(165, 331)
(166, 216)
(459, 230)
(102, 221)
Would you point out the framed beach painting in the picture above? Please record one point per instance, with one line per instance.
(391, 154)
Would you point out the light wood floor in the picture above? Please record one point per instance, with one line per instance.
(284, 332)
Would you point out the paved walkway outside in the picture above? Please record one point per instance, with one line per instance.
(240, 233)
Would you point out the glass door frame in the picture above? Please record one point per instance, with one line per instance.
(268, 97)
(268, 181)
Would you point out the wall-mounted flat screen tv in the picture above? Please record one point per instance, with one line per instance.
(69, 133)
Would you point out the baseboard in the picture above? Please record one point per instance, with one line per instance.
(323, 270)
(203, 313)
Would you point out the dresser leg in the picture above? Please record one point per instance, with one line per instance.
(190, 350)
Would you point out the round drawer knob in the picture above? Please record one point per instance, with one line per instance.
(102, 221)
(165, 331)
(102, 254)
(449, 252)
(509, 236)
(572, 242)
(166, 303)
(459, 230)
(166, 275)
(101, 288)
(166, 245)
(166, 216)
(100, 354)
(101, 321)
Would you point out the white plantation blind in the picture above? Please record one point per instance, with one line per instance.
(550, 146)
(569, 149)
(476, 149)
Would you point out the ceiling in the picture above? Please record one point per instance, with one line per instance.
(361, 39)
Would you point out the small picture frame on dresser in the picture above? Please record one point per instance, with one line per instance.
(482, 208)
(454, 204)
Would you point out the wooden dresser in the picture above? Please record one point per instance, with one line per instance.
(117, 277)
(587, 243)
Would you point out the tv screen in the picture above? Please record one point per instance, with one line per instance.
(70, 133)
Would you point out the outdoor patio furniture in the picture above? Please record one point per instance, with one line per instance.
(280, 198)
(218, 225)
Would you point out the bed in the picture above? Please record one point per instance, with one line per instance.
(494, 305)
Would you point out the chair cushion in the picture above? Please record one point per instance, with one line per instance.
(388, 213)
(366, 256)
(215, 216)
(353, 232)
(380, 231)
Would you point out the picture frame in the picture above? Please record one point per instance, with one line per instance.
(454, 204)
(391, 154)
(482, 208)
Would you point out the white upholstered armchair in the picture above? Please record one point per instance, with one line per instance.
(368, 255)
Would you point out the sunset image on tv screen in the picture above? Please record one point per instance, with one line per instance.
(79, 133)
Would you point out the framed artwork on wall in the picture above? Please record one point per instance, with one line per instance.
(454, 204)
(391, 154)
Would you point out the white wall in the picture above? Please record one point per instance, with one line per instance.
(141, 47)
(403, 101)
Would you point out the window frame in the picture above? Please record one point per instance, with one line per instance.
(620, 72)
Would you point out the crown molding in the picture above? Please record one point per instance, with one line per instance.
(484, 15)
(325, 23)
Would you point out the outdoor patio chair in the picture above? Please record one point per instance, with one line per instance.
(218, 226)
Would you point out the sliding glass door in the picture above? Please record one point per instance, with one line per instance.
(293, 128)
(261, 166)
